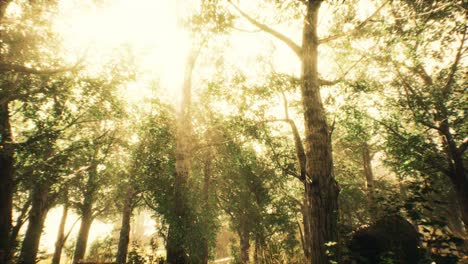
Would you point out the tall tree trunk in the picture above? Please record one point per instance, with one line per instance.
(7, 162)
(20, 220)
(39, 209)
(124, 237)
(176, 237)
(258, 250)
(368, 173)
(244, 243)
(60, 242)
(306, 222)
(86, 214)
(460, 184)
(6, 181)
(321, 188)
(320, 185)
(86, 222)
(207, 171)
(455, 162)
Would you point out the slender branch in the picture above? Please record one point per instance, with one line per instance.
(246, 30)
(408, 88)
(453, 68)
(6, 67)
(343, 76)
(463, 146)
(424, 13)
(421, 72)
(323, 82)
(70, 230)
(20, 220)
(104, 209)
(293, 199)
(301, 234)
(275, 157)
(300, 153)
(291, 44)
(356, 29)
(285, 104)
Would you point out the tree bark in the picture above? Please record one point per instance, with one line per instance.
(207, 171)
(176, 237)
(20, 220)
(124, 237)
(244, 244)
(368, 173)
(60, 242)
(455, 161)
(460, 184)
(306, 222)
(320, 186)
(82, 240)
(39, 209)
(6, 181)
(85, 226)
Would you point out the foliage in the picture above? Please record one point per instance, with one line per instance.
(103, 249)
(398, 92)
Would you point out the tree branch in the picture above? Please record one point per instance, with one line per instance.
(421, 72)
(417, 95)
(5, 67)
(323, 82)
(463, 146)
(356, 29)
(71, 229)
(291, 44)
(301, 235)
(300, 153)
(453, 68)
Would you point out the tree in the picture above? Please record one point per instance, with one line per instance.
(42, 160)
(201, 25)
(354, 134)
(124, 237)
(255, 157)
(13, 72)
(429, 90)
(321, 189)
(93, 197)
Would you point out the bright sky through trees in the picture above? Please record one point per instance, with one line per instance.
(365, 100)
(152, 32)
(149, 29)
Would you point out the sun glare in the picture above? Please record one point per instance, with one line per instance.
(148, 28)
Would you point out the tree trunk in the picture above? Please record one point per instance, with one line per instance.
(60, 242)
(306, 222)
(176, 237)
(244, 244)
(368, 173)
(207, 171)
(460, 184)
(39, 208)
(124, 237)
(320, 186)
(6, 181)
(7, 162)
(86, 221)
(20, 220)
(456, 163)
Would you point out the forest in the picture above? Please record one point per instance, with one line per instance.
(233, 131)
